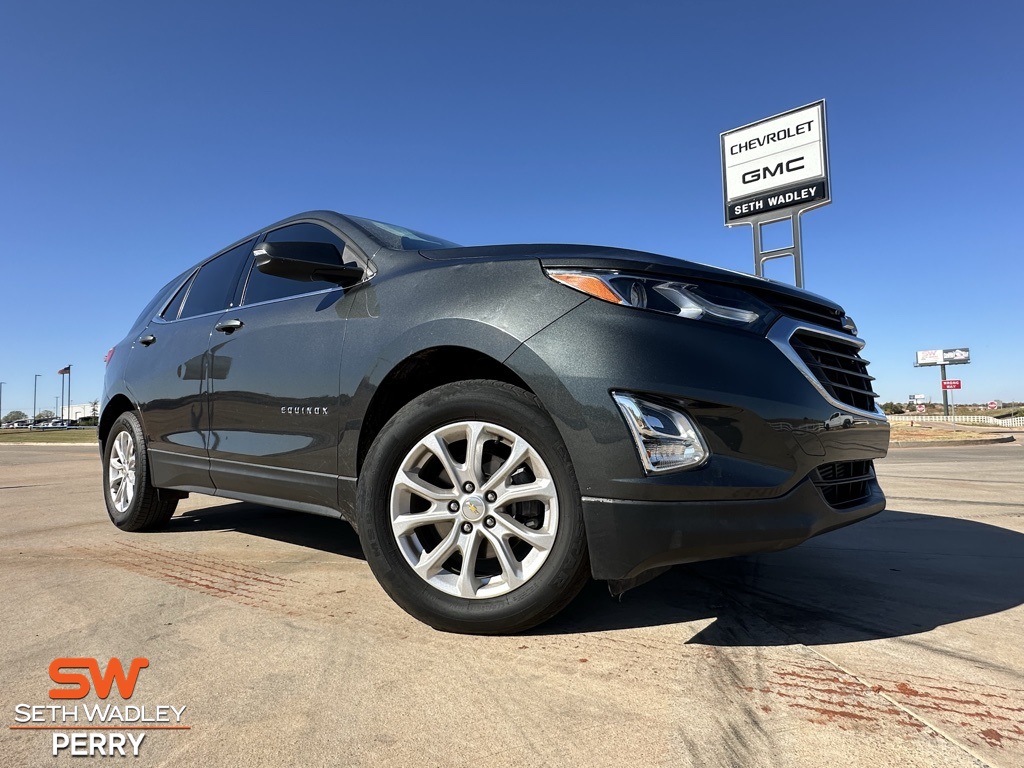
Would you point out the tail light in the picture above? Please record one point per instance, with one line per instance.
(110, 354)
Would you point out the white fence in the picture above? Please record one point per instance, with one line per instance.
(1017, 421)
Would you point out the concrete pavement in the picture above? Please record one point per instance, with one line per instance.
(895, 641)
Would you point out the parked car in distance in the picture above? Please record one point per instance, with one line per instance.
(498, 423)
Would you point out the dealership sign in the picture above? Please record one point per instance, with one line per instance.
(958, 356)
(776, 164)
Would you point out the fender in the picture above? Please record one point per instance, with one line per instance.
(359, 388)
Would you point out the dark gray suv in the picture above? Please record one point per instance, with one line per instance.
(498, 423)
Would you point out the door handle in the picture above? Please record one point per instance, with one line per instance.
(228, 326)
(148, 339)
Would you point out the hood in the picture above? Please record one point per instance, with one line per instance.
(781, 295)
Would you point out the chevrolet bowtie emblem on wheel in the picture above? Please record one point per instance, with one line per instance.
(295, 410)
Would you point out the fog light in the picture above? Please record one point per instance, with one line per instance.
(665, 438)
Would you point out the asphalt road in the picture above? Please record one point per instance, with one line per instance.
(894, 642)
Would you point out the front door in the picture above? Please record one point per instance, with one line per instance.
(274, 376)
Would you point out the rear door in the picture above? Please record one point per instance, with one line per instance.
(169, 369)
(274, 407)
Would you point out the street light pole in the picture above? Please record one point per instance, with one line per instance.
(35, 385)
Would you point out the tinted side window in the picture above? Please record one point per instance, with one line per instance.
(261, 287)
(171, 313)
(155, 303)
(214, 286)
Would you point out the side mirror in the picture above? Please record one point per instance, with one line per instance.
(305, 262)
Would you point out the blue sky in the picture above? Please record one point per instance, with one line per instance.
(136, 139)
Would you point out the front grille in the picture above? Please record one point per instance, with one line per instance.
(838, 367)
(844, 484)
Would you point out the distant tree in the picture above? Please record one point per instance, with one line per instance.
(892, 408)
(95, 405)
(15, 416)
(45, 415)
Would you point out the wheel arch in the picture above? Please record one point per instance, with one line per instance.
(420, 372)
(117, 405)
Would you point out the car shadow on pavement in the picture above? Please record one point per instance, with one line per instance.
(896, 574)
(326, 534)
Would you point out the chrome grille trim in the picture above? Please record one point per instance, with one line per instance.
(781, 333)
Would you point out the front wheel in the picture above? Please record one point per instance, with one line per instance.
(470, 513)
(132, 503)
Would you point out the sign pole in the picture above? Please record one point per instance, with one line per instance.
(796, 250)
(945, 394)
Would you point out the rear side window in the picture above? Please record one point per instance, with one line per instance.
(155, 303)
(261, 287)
(171, 313)
(214, 286)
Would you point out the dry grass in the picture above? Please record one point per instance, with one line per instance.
(928, 434)
(48, 436)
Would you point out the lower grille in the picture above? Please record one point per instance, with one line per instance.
(844, 484)
(838, 367)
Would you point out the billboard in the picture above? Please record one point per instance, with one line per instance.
(957, 356)
(777, 163)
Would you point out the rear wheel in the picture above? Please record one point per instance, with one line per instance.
(470, 513)
(132, 503)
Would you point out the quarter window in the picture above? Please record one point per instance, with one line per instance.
(171, 313)
(214, 286)
(262, 287)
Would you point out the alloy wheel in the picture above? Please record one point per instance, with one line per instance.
(474, 509)
(121, 472)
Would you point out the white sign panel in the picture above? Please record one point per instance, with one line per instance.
(958, 356)
(776, 163)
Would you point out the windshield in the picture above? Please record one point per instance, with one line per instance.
(400, 238)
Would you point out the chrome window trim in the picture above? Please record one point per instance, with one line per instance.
(781, 333)
(164, 321)
(243, 305)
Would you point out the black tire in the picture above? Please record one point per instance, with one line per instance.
(144, 510)
(558, 578)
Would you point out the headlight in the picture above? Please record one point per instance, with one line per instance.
(674, 297)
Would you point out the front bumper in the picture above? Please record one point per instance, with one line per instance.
(627, 538)
(770, 428)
